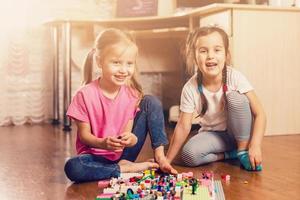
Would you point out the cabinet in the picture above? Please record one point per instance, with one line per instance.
(265, 48)
(264, 45)
(264, 42)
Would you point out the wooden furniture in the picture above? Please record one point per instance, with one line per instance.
(264, 42)
(264, 46)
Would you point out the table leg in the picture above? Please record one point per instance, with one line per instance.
(66, 73)
(55, 41)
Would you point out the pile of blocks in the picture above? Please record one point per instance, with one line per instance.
(150, 185)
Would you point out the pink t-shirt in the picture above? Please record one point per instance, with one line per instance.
(107, 117)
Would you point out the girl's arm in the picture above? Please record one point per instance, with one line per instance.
(179, 136)
(182, 130)
(129, 126)
(258, 130)
(86, 137)
(128, 138)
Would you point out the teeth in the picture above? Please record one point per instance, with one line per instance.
(120, 78)
(210, 65)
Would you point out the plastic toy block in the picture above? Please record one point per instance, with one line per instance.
(205, 182)
(147, 172)
(179, 177)
(153, 172)
(201, 193)
(130, 175)
(219, 190)
(107, 196)
(103, 183)
(188, 175)
(225, 177)
(111, 190)
(164, 186)
(124, 188)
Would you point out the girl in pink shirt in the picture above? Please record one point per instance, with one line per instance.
(113, 116)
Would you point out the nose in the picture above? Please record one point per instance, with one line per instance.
(123, 68)
(211, 54)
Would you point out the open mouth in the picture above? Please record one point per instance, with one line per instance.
(211, 65)
(120, 78)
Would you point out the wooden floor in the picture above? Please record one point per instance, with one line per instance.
(32, 160)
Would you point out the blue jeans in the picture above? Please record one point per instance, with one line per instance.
(150, 119)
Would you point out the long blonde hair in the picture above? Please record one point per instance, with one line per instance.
(191, 59)
(106, 39)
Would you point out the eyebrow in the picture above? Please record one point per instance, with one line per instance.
(217, 46)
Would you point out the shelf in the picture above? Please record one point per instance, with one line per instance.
(184, 20)
(142, 23)
(178, 32)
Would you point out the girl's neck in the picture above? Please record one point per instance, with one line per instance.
(212, 84)
(110, 91)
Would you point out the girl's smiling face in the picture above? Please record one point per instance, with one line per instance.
(118, 63)
(210, 55)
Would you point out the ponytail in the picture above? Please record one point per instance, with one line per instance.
(225, 87)
(202, 96)
(88, 68)
(135, 85)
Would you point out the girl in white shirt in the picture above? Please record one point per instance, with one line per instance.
(231, 117)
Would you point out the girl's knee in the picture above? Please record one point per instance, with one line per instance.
(239, 115)
(72, 170)
(190, 157)
(236, 99)
(238, 104)
(151, 101)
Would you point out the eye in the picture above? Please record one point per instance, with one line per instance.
(130, 64)
(116, 62)
(202, 50)
(218, 49)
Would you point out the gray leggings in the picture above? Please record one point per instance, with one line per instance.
(204, 147)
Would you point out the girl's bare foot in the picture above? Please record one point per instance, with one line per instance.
(150, 160)
(127, 166)
(124, 162)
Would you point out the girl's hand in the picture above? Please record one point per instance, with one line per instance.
(166, 167)
(128, 139)
(113, 143)
(255, 155)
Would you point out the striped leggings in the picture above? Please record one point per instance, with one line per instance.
(204, 147)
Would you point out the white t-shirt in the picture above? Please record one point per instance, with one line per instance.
(215, 116)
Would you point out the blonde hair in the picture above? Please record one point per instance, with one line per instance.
(106, 39)
(191, 60)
